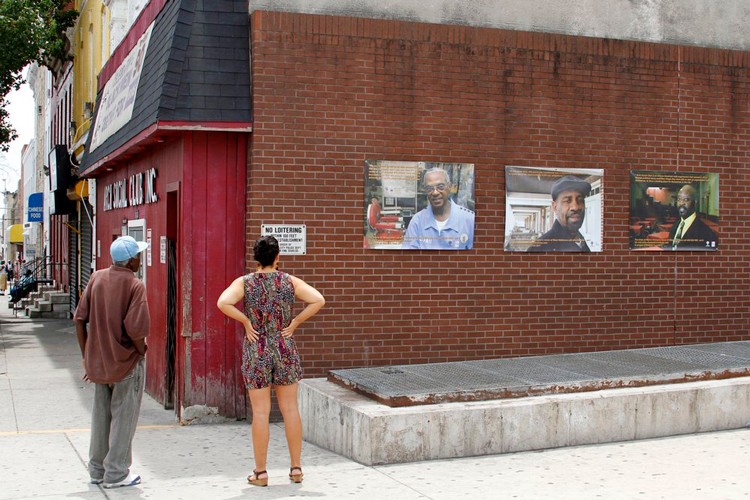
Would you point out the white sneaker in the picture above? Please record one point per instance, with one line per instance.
(131, 480)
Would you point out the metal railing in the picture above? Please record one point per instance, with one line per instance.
(41, 269)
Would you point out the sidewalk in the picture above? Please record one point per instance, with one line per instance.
(45, 415)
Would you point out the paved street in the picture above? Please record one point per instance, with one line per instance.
(44, 420)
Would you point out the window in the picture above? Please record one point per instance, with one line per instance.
(137, 229)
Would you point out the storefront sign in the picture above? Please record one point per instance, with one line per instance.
(292, 237)
(138, 189)
(35, 211)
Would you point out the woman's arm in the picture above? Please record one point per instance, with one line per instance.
(226, 304)
(310, 296)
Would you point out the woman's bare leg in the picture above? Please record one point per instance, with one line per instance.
(287, 398)
(260, 402)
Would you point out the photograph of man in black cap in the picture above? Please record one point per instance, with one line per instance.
(570, 222)
(569, 206)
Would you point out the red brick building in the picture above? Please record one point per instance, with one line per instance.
(329, 92)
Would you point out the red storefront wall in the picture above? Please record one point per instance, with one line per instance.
(200, 187)
(332, 92)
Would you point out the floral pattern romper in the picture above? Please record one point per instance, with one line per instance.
(272, 359)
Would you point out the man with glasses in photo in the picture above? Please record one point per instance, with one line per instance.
(443, 224)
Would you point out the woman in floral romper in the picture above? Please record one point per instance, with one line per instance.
(269, 353)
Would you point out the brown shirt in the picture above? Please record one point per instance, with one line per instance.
(115, 308)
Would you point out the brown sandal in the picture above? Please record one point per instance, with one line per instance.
(296, 478)
(256, 481)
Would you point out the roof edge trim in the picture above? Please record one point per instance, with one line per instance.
(145, 136)
(209, 126)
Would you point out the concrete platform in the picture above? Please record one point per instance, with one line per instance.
(521, 404)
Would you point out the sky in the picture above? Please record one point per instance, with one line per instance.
(21, 110)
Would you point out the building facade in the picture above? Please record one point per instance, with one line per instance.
(168, 151)
(209, 126)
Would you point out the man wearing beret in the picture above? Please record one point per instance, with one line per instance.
(112, 321)
(569, 205)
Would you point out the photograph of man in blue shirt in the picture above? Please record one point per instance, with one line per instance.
(442, 224)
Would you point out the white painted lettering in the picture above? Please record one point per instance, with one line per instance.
(138, 189)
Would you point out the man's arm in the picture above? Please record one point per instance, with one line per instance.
(81, 315)
(137, 321)
(82, 335)
(411, 235)
(140, 346)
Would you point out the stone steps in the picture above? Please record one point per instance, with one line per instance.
(47, 302)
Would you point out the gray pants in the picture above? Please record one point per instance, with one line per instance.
(113, 422)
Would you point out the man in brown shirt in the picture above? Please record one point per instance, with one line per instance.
(112, 322)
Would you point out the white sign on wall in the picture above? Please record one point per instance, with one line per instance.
(163, 249)
(148, 240)
(118, 98)
(292, 237)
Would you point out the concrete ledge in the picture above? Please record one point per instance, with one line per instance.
(371, 433)
(57, 297)
(42, 306)
(36, 313)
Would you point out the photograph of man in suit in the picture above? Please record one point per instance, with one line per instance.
(690, 233)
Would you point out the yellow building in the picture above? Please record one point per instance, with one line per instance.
(91, 51)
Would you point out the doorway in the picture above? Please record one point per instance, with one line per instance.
(172, 297)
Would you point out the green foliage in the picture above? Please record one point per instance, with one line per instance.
(30, 31)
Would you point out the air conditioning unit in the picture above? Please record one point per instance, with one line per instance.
(29, 232)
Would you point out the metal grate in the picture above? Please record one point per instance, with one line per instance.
(86, 244)
(403, 385)
(171, 340)
(73, 263)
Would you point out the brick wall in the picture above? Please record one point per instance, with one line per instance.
(330, 92)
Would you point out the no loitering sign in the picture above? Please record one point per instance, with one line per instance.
(292, 238)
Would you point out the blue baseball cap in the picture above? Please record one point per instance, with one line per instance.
(125, 248)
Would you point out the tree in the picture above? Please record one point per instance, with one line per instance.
(30, 31)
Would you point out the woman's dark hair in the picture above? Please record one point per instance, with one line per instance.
(265, 250)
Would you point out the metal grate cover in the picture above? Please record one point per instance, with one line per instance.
(405, 385)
